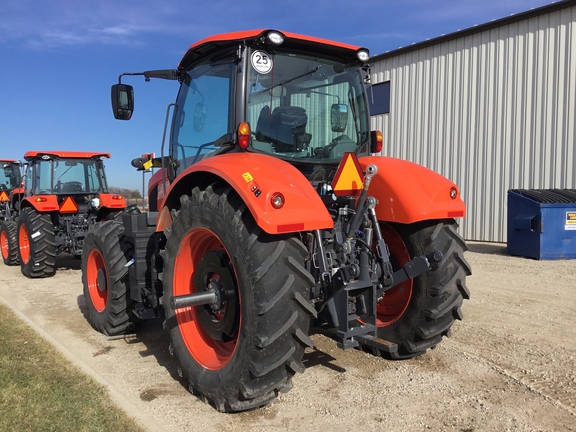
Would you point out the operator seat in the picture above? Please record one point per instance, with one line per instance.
(263, 125)
(287, 129)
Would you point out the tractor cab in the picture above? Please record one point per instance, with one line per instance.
(296, 98)
(77, 174)
(10, 183)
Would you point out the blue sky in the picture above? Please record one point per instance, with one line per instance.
(58, 58)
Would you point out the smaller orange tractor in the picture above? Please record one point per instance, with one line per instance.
(65, 194)
(11, 191)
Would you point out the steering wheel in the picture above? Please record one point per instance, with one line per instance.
(71, 186)
(3, 187)
(334, 143)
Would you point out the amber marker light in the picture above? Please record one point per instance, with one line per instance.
(117, 197)
(244, 135)
(41, 199)
(379, 142)
(277, 200)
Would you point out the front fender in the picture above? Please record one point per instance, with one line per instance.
(408, 192)
(256, 177)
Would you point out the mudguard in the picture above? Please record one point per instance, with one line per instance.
(42, 203)
(408, 192)
(112, 201)
(256, 177)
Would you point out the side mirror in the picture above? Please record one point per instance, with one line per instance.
(122, 101)
(338, 117)
(200, 117)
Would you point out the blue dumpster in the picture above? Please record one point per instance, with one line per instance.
(542, 223)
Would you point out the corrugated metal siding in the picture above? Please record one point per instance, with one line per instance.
(491, 111)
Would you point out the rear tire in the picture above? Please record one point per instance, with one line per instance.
(418, 312)
(106, 281)
(36, 244)
(239, 356)
(9, 243)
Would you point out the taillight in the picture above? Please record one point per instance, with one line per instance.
(453, 193)
(244, 135)
(277, 200)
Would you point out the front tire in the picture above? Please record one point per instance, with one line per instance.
(9, 243)
(240, 353)
(418, 312)
(36, 244)
(106, 281)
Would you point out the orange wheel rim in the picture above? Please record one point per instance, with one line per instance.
(97, 280)
(4, 244)
(24, 244)
(395, 300)
(210, 353)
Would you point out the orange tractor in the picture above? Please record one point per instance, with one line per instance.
(65, 194)
(11, 191)
(273, 217)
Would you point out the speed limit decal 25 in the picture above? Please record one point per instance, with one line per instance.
(261, 62)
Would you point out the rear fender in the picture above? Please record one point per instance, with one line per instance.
(112, 201)
(42, 203)
(256, 177)
(408, 192)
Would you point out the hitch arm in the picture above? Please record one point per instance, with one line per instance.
(412, 269)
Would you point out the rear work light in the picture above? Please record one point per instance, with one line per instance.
(244, 135)
(275, 38)
(363, 55)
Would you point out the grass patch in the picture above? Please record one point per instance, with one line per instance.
(41, 391)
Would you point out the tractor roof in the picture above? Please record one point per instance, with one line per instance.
(214, 43)
(9, 161)
(32, 155)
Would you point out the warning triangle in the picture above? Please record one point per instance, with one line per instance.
(4, 197)
(349, 177)
(68, 206)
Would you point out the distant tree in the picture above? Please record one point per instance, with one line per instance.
(126, 193)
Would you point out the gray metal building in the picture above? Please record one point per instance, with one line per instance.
(491, 107)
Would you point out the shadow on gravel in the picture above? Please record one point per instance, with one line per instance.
(68, 262)
(153, 339)
(319, 358)
(487, 248)
(155, 342)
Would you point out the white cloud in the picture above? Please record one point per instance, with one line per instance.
(34, 24)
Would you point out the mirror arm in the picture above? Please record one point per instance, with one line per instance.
(169, 74)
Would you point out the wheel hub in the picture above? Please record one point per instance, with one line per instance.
(214, 273)
(101, 280)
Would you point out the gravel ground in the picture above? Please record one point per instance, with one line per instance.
(509, 365)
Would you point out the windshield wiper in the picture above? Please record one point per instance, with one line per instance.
(310, 72)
